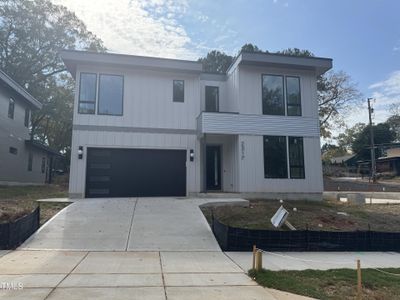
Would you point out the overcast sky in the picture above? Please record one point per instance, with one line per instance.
(362, 36)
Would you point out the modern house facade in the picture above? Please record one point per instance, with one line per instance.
(22, 160)
(146, 126)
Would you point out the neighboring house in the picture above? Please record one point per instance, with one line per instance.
(390, 163)
(145, 126)
(22, 161)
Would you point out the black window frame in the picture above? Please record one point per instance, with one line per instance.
(284, 91)
(30, 161)
(13, 150)
(174, 95)
(275, 157)
(11, 108)
(27, 117)
(99, 90)
(264, 110)
(286, 97)
(205, 98)
(300, 164)
(86, 101)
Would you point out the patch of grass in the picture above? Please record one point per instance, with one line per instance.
(332, 284)
(17, 201)
(310, 214)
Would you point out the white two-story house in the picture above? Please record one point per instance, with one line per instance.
(146, 126)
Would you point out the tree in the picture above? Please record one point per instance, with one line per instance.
(216, 62)
(31, 35)
(383, 134)
(251, 48)
(345, 140)
(394, 120)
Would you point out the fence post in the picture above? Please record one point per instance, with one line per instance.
(254, 256)
(258, 260)
(359, 284)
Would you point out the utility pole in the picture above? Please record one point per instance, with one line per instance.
(373, 164)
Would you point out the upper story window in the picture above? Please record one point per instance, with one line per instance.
(212, 98)
(30, 161)
(293, 97)
(11, 108)
(13, 150)
(111, 88)
(27, 117)
(87, 93)
(274, 98)
(178, 91)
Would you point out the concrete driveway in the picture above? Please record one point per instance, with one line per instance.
(147, 249)
(129, 224)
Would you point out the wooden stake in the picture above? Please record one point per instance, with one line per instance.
(359, 284)
(254, 256)
(258, 260)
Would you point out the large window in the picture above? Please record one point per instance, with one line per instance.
(111, 89)
(275, 157)
(178, 91)
(87, 93)
(281, 95)
(212, 98)
(27, 115)
(11, 108)
(296, 157)
(293, 97)
(272, 95)
(43, 166)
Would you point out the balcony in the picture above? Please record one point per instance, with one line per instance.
(235, 123)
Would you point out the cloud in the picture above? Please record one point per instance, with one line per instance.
(143, 27)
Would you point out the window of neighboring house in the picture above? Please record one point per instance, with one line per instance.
(273, 102)
(212, 98)
(13, 150)
(178, 91)
(30, 161)
(293, 96)
(43, 166)
(11, 108)
(111, 89)
(87, 93)
(275, 157)
(296, 157)
(27, 117)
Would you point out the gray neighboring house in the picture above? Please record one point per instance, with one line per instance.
(22, 161)
(146, 126)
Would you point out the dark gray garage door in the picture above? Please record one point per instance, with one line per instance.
(135, 173)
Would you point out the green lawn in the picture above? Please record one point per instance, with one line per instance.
(17, 201)
(332, 284)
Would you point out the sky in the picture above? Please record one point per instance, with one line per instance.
(361, 36)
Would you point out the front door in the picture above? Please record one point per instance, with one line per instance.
(213, 167)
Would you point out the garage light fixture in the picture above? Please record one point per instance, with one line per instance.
(80, 152)
(191, 155)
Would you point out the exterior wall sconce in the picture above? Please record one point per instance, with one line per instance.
(191, 155)
(80, 152)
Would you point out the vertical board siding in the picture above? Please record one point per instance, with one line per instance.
(131, 140)
(251, 173)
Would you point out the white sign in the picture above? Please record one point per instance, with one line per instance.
(279, 217)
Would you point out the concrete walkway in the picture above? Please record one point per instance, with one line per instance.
(147, 249)
(277, 261)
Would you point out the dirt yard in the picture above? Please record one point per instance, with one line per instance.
(16, 202)
(312, 215)
(357, 184)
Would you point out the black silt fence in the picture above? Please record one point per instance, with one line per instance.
(240, 239)
(15, 233)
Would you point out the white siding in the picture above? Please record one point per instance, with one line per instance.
(148, 100)
(131, 140)
(220, 123)
(250, 89)
(251, 169)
